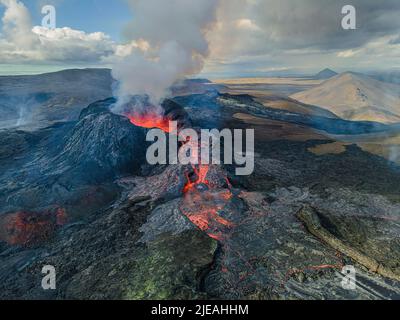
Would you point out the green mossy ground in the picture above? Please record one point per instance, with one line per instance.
(172, 267)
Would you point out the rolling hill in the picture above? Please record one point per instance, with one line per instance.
(354, 96)
(39, 100)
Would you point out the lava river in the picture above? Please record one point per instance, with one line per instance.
(203, 200)
(203, 203)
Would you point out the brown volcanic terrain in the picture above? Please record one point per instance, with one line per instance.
(274, 92)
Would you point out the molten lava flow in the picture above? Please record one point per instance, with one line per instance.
(201, 174)
(202, 204)
(28, 228)
(149, 119)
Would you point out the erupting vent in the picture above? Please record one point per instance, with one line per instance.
(150, 117)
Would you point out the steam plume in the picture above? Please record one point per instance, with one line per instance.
(175, 46)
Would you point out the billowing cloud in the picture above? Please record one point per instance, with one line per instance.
(256, 35)
(17, 24)
(288, 24)
(68, 45)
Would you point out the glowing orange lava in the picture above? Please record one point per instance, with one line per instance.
(201, 174)
(203, 204)
(150, 120)
(338, 266)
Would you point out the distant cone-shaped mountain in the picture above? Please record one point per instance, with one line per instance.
(355, 96)
(325, 74)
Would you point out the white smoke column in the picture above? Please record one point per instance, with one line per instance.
(175, 31)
